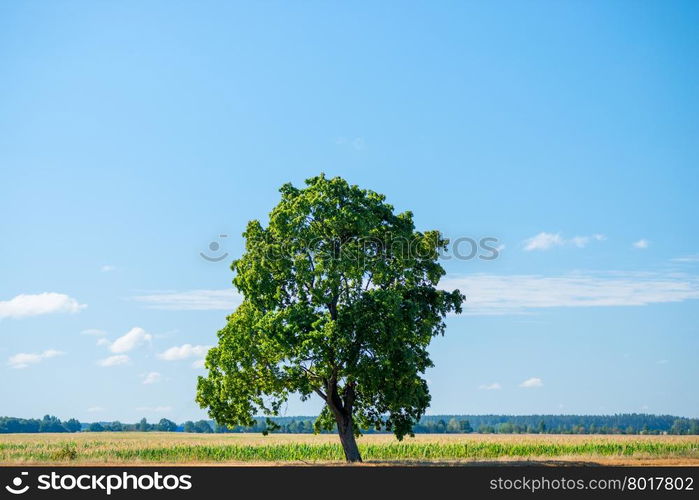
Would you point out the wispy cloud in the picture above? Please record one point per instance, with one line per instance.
(107, 268)
(582, 241)
(546, 241)
(130, 340)
(489, 294)
(151, 378)
(185, 351)
(192, 300)
(543, 241)
(95, 409)
(356, 143)
(25, 305)
(25, 359)
(532, 382)
(119, 359)
(155, 409)
(641, 244)
(490, 387)
(94, 332)
(687, 258)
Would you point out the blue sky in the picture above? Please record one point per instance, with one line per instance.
(134, 134)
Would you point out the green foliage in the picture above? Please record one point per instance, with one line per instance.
(432, 424)
(465, 426)
(143, 425)
(51, 424)
(202, 426)
(72, 425)
(47, 424)
(116, 426)
(680, 426)
(166, 425)
(66, 451)
(340, 300)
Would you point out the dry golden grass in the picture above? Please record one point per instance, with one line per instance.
(153, 448)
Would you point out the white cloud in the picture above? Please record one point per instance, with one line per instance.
(130, 340)
(543, 241)
(642, 243)
(119, 359)
(107, 268)
(25, 305)
(103, 341)
(155, 409)
(152, 378)
(490, 387)
(24, 359)
(199, 363)
(546, 241)
(183, 352)
(687, 258)
(95, 332)
(532, 382)
(95, 409)
(580, 241)
(356, 143)
(192, 300)
(488, 294)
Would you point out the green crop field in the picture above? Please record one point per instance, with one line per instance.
(181, 448)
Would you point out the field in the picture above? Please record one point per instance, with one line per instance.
(299, 449)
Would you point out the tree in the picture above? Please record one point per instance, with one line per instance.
(680, 426)
(340, 301)
(694, 428)
(116, 426)
(166, 425)
(466, 427)
(189, 426)
(51, 424)
(143, 425)
(506, 428)
(203, 427)
(72, 425)
(95, 427)
(453, 427)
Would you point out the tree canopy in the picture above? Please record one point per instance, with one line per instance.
(340, 299)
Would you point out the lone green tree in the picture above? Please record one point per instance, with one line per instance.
(339, 301)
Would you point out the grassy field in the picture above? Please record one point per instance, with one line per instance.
(192, 449)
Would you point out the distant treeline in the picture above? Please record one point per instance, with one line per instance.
(629, 423)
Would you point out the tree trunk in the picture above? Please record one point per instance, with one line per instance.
(345, 428)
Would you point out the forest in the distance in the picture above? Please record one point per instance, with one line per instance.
(628, 423)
